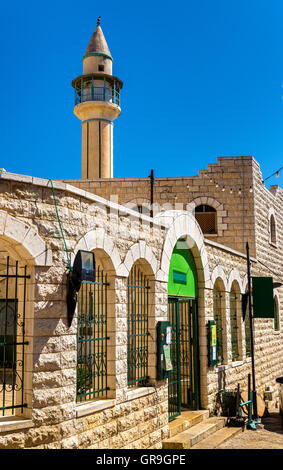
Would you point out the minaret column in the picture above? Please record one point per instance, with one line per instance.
(97, 105)
(97, 149)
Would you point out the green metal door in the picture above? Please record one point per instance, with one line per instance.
(183, 383)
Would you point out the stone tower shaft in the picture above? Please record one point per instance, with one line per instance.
(97, 105)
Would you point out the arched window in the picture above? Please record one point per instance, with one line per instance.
(93, 353)
(234, 302)
(218, 317)
(138, 327)
(206, 217)
(14, 279)
(248, 331)
(272, 227)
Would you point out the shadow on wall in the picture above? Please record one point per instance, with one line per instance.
(219, 405)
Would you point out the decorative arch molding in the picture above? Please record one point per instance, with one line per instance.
(23, 242)
(209, 201)
(219, 273)
(139, 250)
(98, 239)
(182, 225)
(235, 276)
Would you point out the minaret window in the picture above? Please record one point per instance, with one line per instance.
(101, 68)
(206, 217)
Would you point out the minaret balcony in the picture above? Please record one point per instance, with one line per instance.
(97, 87)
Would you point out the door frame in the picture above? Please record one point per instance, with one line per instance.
(175, 385)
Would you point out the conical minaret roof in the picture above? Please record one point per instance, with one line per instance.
(98, 43)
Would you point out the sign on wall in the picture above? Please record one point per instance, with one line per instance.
(263, 303)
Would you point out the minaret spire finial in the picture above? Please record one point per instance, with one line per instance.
(98, 20)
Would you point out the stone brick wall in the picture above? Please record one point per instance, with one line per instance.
(126, 418)
(268, 342)
(53, 419)
(226, 185)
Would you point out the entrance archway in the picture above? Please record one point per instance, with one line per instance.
(183, 383)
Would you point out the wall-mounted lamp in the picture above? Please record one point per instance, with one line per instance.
(83, 270)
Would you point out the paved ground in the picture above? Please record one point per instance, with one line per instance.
(269, 435)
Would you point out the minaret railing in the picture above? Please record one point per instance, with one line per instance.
(87, 90)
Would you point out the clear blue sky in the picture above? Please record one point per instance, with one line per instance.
(201, 79)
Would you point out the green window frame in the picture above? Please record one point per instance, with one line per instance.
(92, 338)
(138, 317)
(234, 326)
(217, 313)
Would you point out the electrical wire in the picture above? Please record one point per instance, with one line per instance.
(59, 221)
(273, 174)
(275, 274)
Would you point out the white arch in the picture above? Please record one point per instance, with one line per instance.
(139, 250)
(181, 224)
(98, 239)
(23, 242)
(219, 273)
(235, 276)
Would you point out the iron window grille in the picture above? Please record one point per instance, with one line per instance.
(92, 338)
(206, 217)
(234, 326)
(138, 307)
(13, 288)
(217, 312)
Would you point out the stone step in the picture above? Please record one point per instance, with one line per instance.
(198, 432)
(213, 441)
(186, 420)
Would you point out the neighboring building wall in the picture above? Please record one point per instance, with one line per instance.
(268, 341)
(235, 206)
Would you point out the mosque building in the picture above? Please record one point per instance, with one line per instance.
(157, 334)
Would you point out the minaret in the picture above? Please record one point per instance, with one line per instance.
(97, 104)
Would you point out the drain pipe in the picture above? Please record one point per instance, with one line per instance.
(151, 192)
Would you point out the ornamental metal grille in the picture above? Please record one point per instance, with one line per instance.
(206, 218)
(174, 381)
(183, 380)
(217, 311)
(13, 284)
(206, 221)
(272, 229)
(92, 338)
(138, 303)
(234, 326)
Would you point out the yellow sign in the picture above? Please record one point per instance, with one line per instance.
(167, 356)
(213, 335)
